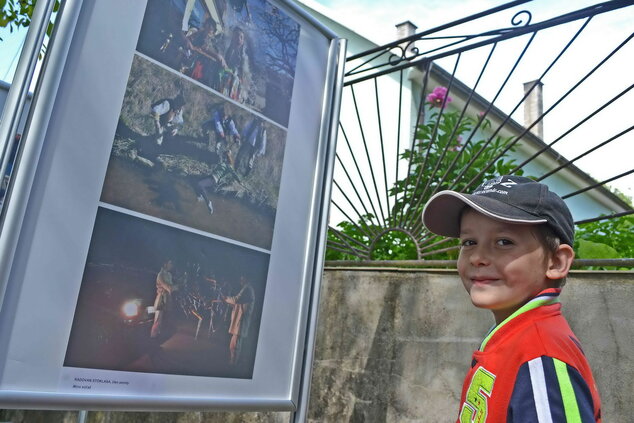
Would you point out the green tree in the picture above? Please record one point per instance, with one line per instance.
(606, 239)
(16, 14)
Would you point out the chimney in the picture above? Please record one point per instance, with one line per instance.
(405, 29)
(534, 107)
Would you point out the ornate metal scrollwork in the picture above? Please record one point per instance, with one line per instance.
(517, 18)
(405, 53)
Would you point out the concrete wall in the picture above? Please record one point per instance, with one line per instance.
(393, 346)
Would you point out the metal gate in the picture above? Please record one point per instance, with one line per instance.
(439, 110)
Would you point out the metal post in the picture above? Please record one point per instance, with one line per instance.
(14, 207)
(81, 417)
(331, 114)
(19, 90)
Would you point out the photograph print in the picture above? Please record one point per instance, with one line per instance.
(184, 154)
(156, 299)
(245, 50)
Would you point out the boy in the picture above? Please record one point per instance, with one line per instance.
(516, 240)
(168, 116)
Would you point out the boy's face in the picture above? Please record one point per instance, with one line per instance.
(502, 265)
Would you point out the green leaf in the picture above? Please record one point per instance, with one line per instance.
(596, 250)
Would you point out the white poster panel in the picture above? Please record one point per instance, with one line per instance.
(167, 253)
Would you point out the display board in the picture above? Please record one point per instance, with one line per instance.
(169, 249)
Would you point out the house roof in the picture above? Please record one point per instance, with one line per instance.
(529, 138)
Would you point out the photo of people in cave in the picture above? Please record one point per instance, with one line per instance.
(245, 50)
(156, 299)
(186, 155)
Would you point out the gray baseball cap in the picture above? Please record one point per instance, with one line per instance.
(512, 199)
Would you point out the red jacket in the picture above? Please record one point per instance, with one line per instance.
(531, 368)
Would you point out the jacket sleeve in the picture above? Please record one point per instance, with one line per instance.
(549, 390)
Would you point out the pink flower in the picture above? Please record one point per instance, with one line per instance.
(437, 97)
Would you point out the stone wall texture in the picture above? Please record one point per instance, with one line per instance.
(394, 345)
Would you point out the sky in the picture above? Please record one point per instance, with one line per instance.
(380, 16)
(376, 20)
(9, 52)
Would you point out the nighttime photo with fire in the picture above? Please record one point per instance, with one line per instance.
(156, 299)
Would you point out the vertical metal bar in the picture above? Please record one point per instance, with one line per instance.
(430, 177)
(367, 155)
(41, 107)
(19, 90)
(354, 160)
(417, 227)
(411, 213)
(81, 416)
(453, 163)
(338, 53)
(419, 119)
(398, 140)
(517, 62)
(353, 189)
(378, 117)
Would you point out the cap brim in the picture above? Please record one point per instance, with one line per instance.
(442, 212)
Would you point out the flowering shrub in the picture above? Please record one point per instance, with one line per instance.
(439, 98)
(448, 152)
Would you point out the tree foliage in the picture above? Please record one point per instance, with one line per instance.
(281, 35)
(606, 239)
(16, 14)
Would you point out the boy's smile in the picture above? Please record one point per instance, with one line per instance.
(501, 265)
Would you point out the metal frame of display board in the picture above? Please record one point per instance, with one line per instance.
(106, 193)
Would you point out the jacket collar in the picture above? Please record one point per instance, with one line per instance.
(546, 297)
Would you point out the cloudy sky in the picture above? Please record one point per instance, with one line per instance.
(376, 18)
